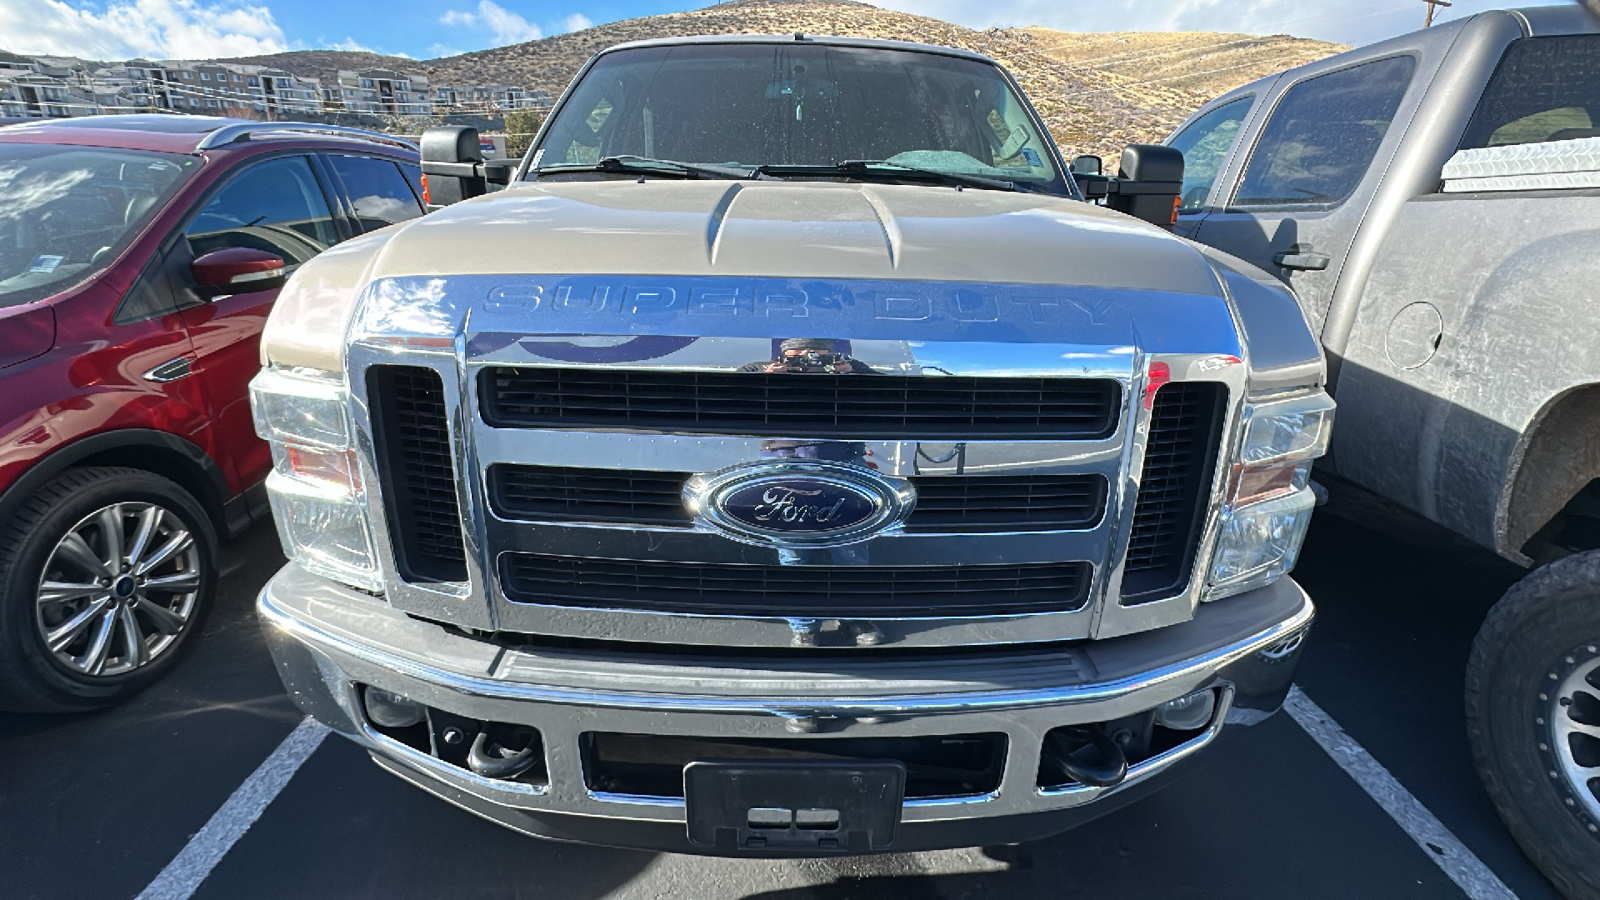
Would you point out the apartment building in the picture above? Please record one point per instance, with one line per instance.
(379, 92)
(57, 87)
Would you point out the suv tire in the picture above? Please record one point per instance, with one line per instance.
(1537, 643)
(105, 660)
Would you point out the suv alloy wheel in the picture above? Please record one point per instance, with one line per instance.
(106, 575)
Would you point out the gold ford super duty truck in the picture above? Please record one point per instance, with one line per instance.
(788, 460)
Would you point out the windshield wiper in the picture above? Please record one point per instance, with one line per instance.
(866, 167)
(644, 165)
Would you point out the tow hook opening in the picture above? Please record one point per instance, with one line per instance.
(1102, 754)
(504, 751)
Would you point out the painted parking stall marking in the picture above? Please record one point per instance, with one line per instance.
(182, 877)
(1444, 848)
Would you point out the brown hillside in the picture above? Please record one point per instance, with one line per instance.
(1097, 92)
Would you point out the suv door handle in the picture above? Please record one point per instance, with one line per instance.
(1300, 257)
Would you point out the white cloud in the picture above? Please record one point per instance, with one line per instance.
(576, 22)
(503, 25)
(172, 29)
(1351, 22)
(349, 44)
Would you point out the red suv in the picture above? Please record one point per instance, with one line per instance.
(139, 257)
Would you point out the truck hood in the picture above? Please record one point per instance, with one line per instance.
(746, 260)
(796, 230)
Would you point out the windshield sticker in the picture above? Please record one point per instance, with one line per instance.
(44, 265)
(536, 157)
(1032, 156)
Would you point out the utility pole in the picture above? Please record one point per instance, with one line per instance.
(1433, 5)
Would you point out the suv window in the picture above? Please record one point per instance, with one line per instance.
(1323, 135)
(1204, 145)
(1546, 89)
(378, 190)
(276, 206)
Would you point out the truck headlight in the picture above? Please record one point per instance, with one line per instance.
(1269, 500)
(318, 499)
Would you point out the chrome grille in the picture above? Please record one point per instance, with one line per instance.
(757, 403)
(1179, 461)
(412, 437)
(971, 504)
(783, 590)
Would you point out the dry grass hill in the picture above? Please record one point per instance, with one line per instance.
(1096, 92)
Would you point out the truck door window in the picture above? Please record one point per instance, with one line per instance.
(377, 189)
(276, 206)
(1545, 89)
(1204, 145)
(1323, 135)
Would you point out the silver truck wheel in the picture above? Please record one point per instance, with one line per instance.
(118, 589)
(1572, 714)
(1533, 715)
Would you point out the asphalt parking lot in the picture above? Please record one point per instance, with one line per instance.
(96, 806)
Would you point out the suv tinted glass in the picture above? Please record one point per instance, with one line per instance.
(1204, 145)
(67, 212)
(1324, 134)
(1546, 89)
(378, 190)
(276, 206)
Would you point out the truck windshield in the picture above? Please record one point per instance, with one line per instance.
(67, 212)
(797, 107)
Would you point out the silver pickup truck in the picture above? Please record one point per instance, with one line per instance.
(789, 461)
(1434, 201)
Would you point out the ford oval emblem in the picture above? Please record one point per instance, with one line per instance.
(787, 503)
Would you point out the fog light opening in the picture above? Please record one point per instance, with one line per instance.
(1191, 712)
(390, 710)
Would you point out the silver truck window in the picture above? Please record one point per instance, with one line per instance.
(1546, 89)
(1323, 135)
(1204, 145)
(800, 105)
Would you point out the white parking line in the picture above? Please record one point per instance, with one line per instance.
(1436, 841)
(182, 877)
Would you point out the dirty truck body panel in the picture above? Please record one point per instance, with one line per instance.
(1448, 312)
(685, 513)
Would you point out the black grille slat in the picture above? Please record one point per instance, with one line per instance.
(945, 503)
(1180, 460)
(825, 591)
(412, 437)
(861, 407)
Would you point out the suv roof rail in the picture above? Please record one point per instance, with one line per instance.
(244, 131)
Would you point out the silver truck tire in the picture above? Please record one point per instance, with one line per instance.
(1533, 715)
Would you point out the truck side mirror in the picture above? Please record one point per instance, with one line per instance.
(1086, 165)
(1149, 184)
(452, 165)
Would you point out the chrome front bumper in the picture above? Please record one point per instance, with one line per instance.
(327, 639)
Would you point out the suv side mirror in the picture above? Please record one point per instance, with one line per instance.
(238, 270)
(452, 165)
(1149, 183)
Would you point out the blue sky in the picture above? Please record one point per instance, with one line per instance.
(115, 29)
